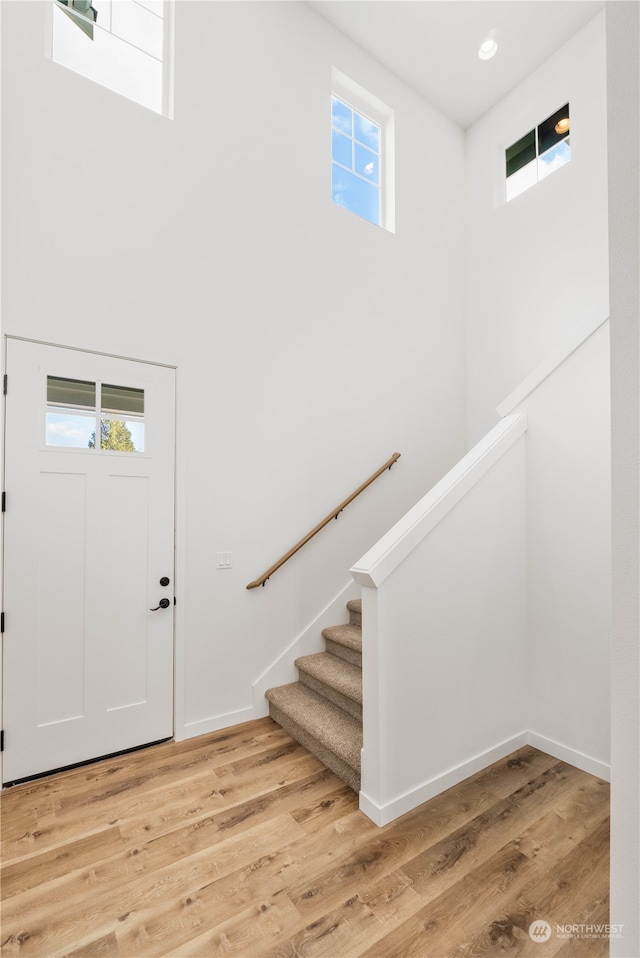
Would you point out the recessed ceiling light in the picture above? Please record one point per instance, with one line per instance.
(563, 125)
(488, 49)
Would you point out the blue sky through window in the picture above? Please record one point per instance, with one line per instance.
(554, 158)
(355, 161)
(75, 430)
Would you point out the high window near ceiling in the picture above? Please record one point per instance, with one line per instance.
(361, 153)
(124, 45)
(538, 153)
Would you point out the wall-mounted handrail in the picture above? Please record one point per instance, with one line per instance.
(332, 515)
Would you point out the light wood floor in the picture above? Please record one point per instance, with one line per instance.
(240, 843)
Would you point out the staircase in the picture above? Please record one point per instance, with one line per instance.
(323, 709)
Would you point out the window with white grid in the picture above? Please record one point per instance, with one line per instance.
(124, 45)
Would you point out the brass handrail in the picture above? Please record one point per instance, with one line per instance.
(332, 515)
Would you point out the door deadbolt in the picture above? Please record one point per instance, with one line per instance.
(165, 580)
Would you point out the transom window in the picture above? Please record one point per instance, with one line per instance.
(123, 45)
(89, 415)
(538, 153)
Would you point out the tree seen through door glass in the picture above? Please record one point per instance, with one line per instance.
(122, 419)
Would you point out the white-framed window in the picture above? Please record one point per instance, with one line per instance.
(538, 153)
(94, 416)
(362, 161)
(124, 45)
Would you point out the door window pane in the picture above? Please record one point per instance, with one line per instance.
(71, 392)
(71, 412)
(122, 419)
(122, 399)
(71, 415)
(121, 435)
(70, 429)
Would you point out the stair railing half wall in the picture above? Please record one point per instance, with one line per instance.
(443, 616)
(332, 515)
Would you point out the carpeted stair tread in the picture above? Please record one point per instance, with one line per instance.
(349, 636)
(332, 728)
(355, 611)
(323, 711)
(334, 672)
(345, 642)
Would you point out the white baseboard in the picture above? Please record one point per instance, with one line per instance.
(283, 670)
(569, 755)
(383, 814)
(214, 724)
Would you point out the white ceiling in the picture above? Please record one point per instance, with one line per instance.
(433, 44)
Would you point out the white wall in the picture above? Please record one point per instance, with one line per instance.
(623, 68)
(538, 264)
(569, 555)
(310, 345)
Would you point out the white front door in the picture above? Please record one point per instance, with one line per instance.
(89, 543)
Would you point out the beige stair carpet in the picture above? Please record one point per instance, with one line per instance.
(323, 711)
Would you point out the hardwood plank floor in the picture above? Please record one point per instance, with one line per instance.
(241, 844)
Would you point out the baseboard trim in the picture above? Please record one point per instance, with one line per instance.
(214, 724)
(570, 755)
(283, 670)
(383, 814)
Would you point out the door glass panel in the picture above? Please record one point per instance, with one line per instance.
(70, 429)
(122, 399)
(71, 392)
(122, 435)
(71, 412)
(122, 419)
